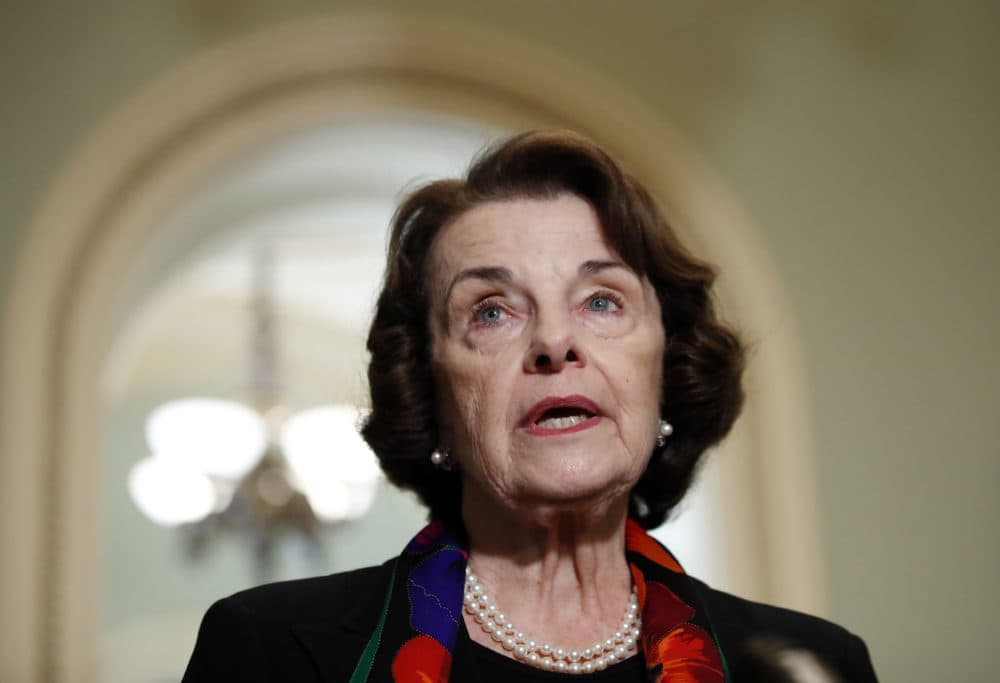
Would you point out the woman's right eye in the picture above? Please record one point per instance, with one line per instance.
(488, 313)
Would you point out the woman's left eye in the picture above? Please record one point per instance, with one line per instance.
(602, 303)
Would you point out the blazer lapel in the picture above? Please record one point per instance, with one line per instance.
(334, 651)
(335, 645)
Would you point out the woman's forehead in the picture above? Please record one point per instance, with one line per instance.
(564, 230)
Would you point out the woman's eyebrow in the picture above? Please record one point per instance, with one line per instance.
(487, 273)
(593, 267)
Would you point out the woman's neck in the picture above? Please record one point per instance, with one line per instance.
(559, 575)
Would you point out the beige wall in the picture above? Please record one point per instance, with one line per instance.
(862, 140)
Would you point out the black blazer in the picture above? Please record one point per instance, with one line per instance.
(315, 629)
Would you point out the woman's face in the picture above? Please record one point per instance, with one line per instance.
(547, 354)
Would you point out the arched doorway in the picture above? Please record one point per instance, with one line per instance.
(104, 209)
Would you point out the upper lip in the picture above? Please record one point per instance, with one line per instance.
(551, 402)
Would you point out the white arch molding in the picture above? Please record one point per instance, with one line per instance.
(106, 203)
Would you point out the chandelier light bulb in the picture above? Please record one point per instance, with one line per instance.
(170, 493)
(218, 437)
(361, 499)
(330, 502)
(330, 461)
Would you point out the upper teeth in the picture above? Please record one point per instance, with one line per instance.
(561, 422)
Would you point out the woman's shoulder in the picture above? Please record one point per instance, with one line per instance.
(737, 614)
(750, 633)
(291, 629)
(324, 596)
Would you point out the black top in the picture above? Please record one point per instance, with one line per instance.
(497, 668)
(315, 629)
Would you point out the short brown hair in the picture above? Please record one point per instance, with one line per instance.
(702, 360)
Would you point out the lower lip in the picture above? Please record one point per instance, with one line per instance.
(538, 430)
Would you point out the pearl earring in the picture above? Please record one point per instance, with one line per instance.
(665, 430)
(441, 460)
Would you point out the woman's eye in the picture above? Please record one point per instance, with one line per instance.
(602, 304)
(489, 315)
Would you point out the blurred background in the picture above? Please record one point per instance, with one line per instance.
(194, 205)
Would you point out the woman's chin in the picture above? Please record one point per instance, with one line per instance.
(572, 487)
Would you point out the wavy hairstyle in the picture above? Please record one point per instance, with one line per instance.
(702, 360)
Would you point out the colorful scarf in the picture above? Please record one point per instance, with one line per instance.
(414, 640)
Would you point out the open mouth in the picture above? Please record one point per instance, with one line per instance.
(561, 415)
(562, 418)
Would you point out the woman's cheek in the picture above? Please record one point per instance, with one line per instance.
(609, 324)
(492, 339)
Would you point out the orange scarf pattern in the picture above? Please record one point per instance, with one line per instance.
(414, 640)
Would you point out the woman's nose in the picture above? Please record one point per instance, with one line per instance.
(553, 346)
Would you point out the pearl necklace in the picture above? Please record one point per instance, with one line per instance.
(597, 657)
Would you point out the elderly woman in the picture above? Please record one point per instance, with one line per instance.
(547, 371)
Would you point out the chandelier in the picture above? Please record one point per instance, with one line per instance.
(254, 468)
